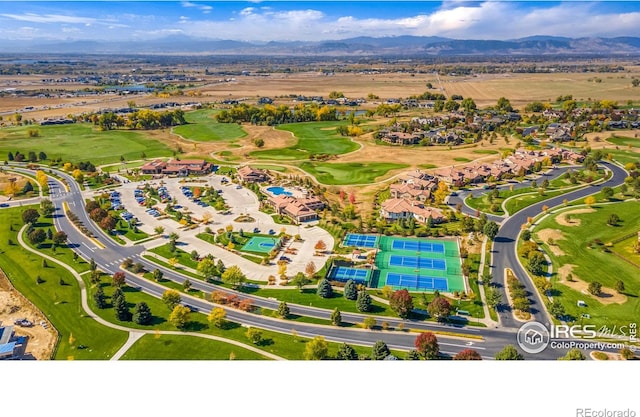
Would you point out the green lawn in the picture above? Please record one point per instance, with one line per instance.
(313, 138)
(625, 156)
(486, 151)
(597, 265)
(518, 203)
(183, 257)
(461, 159)
(82, 142)
(427, 166)
(167, 347)
(203, 127)
(624, 141)
(349, 173)
(60, 303)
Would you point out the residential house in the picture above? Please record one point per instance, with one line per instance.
(299, 210)
(402, 208)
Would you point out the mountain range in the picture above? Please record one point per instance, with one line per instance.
(358, 46)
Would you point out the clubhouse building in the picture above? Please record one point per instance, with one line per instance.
(177, 167)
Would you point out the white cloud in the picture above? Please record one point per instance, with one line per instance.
(58, 19)
(205, 8)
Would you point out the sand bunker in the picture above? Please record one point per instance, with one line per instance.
(555, 234)
(563, 221)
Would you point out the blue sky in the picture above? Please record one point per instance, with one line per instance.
(318, 20)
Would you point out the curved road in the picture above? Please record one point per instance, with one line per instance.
(109, 255)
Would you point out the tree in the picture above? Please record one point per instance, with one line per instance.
(254, 335)
(259, 142)
(159, 230)
(120, 306)
(37, 236)
(92, 264)
(493, 297)
(60, 238)
(300, 280)
(536, 263)
(346, 353)
(30, 216)
(380, 351)
(217, 317)
(336, 317)
(363, 302)
(526, 235)
(157, 275)
(171, 298)
(401, 303)
(99, 298)
(613, 219)
(491, 230)
(108, 223)
(427, 345)
(413, 355)
(589, 201)
(118, 279)
(179, 317)
(324, 289)
(320, 246)
(607, 192)
(207, 268)
(557, 309)
(316, 349)
(350, 290)
(186, 285)
(142, 314)
(310, 269)
(439, 307)
(467, 355)
(594, 288)
(233, 276)
(620, 286)
(509, 353)
(504, 105)
(47, 208)
(283, 310)
(574, 354)
(441, 193)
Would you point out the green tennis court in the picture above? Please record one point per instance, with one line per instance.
(418, 265)
(261, 244)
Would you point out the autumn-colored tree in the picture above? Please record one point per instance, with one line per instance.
(589, 201)
(401, 302)
(179, 317)
(439, 307)
(352, 198)
(316, 349)
(107, 223)
(342, 195)
(171, 298)
(467, 355)
(118, 279)
(172, 262)
(310, 269)
(245, 305)
(320, 246)
(197, 192)
(441, 193)
(217, 317)
(233, 276)
(427, 345)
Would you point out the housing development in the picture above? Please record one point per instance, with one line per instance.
(385, 204)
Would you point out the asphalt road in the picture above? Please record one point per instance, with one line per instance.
(109, 255)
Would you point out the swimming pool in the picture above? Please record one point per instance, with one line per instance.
(279, 191)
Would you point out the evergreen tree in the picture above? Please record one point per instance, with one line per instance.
(413, 355)
(324, 289)
(350, 290)
(100, 298)
(336, 317)
(363, 302)
(142, 313)
(10, 156)
(121, 309)
(283, 310)
(380, 351)
(347, 353)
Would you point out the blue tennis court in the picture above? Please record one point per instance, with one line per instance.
(361, 241)
(417, 281)
(343, 273)
(417, 262)
(418, 246)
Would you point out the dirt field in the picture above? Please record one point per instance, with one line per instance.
(562, 219)
(546, 234)
(607, 296)
(4, 181)
(14, 306)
